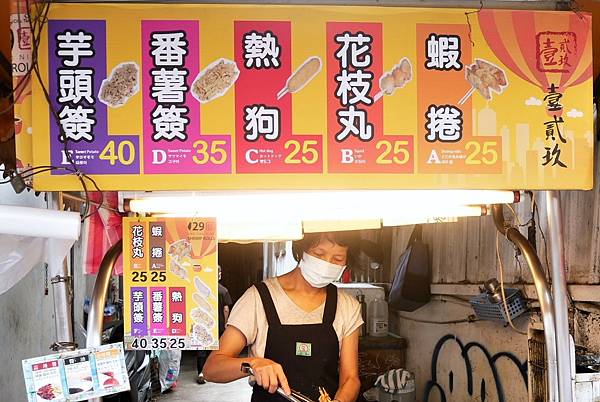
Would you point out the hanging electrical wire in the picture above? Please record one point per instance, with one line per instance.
(537, 214)
(469, 319)
(38, 18)
(21, 86)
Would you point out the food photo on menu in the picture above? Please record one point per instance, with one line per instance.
(78, 371)
(49, 392)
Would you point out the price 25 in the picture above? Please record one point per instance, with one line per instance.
(142, 276)
(481, 154)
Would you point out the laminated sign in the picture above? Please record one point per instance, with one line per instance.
(177, 97)
(170, 274)
(76, 376)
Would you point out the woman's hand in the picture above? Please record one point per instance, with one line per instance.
(269, 375)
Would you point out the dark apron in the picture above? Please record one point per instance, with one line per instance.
(309, 353)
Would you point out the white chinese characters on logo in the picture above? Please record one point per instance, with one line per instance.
(157, 307)
(261, 121)
(168, 48)
(357, 84)
(137, 230)
(138, 307)
(443, 52)
(157, 317)
(157, 231)
(444, 123)
(77, 123)
(169, 117)
(138, 317)
(177, 318)
(354, 122)
(72, 46)
(156, 252)
(137, 242)
(261, 50)
(169, 123)
(168, 86)
(354, 50)
(354, 83)
(76, 85)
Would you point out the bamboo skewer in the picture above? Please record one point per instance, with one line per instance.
(283, 92)
(466, 97)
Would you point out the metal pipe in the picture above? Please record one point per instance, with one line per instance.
(96, 314)
(95, 320)
(269, 260)
(560, 295)
(60, 280)
(61, 285)
(81, 199)
(543, 292)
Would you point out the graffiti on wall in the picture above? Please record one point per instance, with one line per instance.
(482, 382)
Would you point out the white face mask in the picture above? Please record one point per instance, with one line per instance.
(319, 273)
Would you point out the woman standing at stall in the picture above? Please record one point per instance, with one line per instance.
(302, 331)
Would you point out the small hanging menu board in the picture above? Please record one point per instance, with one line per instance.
(77, 375)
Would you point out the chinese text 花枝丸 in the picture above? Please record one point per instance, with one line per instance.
(354, 83)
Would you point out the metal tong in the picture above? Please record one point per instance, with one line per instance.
(294, 397)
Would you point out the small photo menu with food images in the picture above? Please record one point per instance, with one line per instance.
(76, 376)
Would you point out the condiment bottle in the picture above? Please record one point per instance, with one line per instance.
(378, 317)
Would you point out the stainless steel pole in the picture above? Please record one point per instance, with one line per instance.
(543, 293)
(61, 286)
(269, 261)
(59, 276)
(559, 293)
(96, 315)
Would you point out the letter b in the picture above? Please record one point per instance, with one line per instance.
(347, 156)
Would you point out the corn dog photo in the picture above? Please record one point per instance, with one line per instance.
(302, 76)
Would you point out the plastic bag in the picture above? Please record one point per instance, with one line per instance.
(168, 368)
(100, 231)
(412, 281)
(18, 255)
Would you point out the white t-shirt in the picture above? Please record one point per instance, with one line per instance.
(248, 315)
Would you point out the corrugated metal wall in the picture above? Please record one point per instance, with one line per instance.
(465, 252)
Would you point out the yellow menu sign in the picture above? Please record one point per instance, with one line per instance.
(177, 97)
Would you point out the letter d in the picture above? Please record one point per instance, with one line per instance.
(158, 156)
